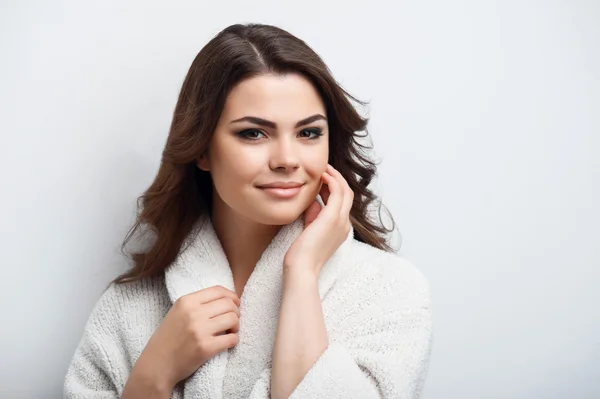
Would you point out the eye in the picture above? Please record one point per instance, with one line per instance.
(250, 134)
(316, 133)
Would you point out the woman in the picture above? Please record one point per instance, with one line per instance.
(263, 276)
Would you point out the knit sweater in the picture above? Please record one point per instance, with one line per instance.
(376, 308)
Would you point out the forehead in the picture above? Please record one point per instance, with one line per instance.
(284, 99)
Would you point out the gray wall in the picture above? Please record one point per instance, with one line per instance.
(486, 116)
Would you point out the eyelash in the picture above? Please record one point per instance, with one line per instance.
(244, 133)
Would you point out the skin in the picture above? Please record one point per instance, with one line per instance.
(246, 219)
(301, 336)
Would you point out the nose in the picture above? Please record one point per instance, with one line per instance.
(284, 156)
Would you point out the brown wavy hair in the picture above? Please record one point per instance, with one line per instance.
(181, 193)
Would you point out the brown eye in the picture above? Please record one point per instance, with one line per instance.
(250, 134)
(316, 133)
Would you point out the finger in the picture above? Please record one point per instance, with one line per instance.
(334, 201)
(338, 178)
(221, 306)
(348, 202)
(311, 213)
(324, 191)
(213, 293)
(228, 321)
(348, 193)
(225, 341)
(348, 196)
(335, 173)
(234, 329)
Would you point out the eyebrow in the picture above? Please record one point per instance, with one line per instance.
(273, 125)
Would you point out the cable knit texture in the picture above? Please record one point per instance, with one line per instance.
(376, 307)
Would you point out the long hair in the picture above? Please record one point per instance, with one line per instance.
(181, 193)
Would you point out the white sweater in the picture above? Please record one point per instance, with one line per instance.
(376, 307)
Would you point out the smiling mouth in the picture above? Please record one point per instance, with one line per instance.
(282, 192)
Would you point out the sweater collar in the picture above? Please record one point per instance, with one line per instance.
(202, 264)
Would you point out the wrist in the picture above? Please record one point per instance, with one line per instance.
(299, 274)
(150, 379)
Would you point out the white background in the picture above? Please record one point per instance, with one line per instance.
(485, 117)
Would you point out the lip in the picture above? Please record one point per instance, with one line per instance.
(282, 184)
(277, 191)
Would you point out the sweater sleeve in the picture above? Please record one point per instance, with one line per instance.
(91, 373)
(383, 352)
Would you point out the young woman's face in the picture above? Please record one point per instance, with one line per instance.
(290, 146)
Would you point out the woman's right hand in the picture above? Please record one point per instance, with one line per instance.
(197, 327)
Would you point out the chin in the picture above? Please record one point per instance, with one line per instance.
(277, 216)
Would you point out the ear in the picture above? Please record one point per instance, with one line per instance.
(203, 162)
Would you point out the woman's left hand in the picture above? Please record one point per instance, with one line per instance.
(325, 228)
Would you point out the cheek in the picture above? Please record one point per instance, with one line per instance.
(234, 165)
(315, 163)
(316, 160)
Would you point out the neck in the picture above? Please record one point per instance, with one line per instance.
(243, 240)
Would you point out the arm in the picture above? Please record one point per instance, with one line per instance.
(141, 384)
(374, 364)
(379, 350)
(100, 368)
(301, 336)
(90, 376)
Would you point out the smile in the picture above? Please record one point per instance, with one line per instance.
(280, 192)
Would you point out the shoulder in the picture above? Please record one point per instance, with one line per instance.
(120, 306)
(120, 298)
(387, 275)
(116, 331)
(378, 292)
